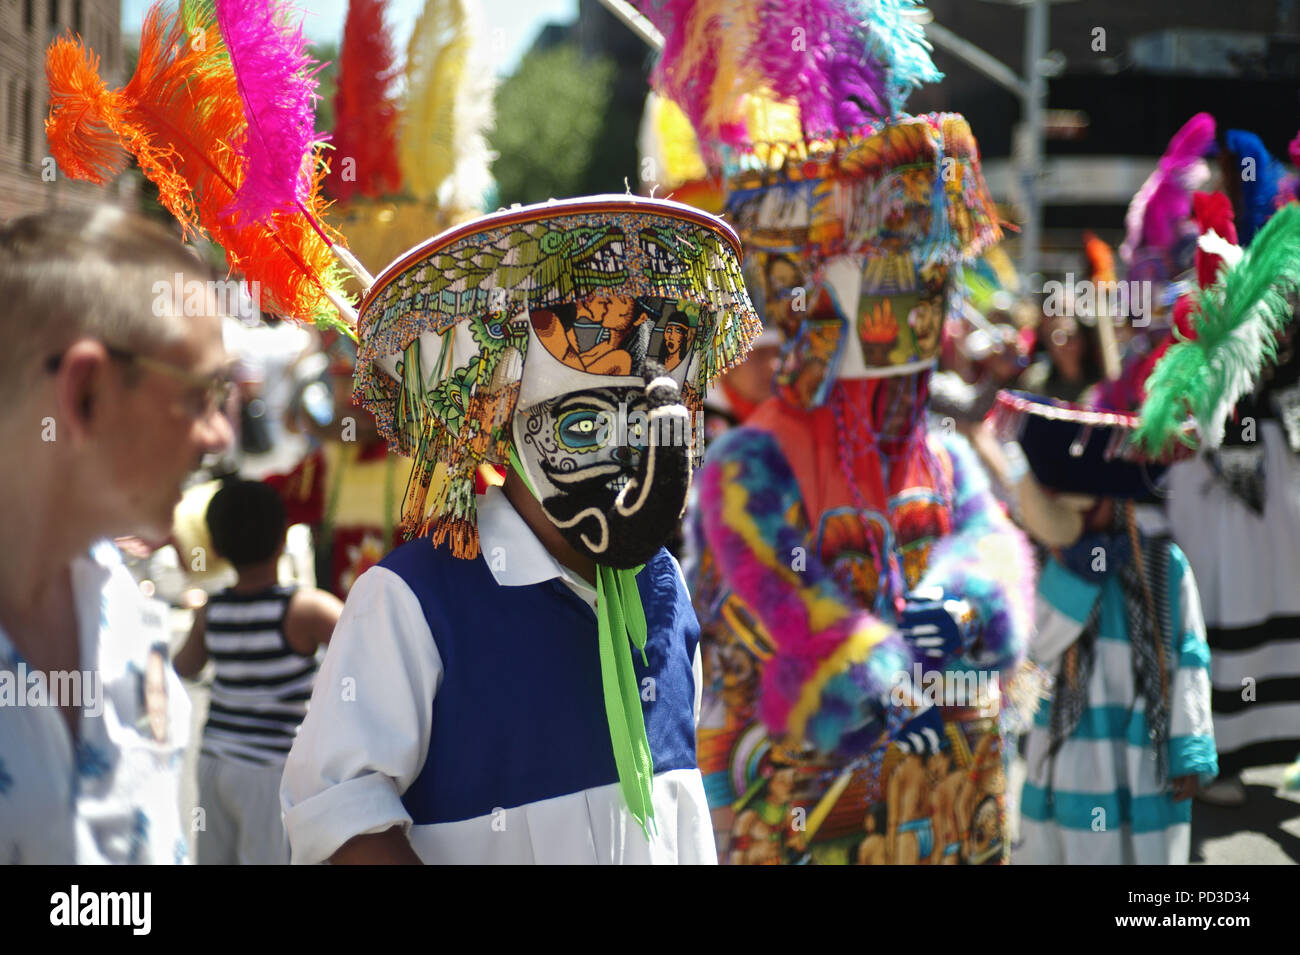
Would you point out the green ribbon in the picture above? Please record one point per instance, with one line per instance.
(620, 625)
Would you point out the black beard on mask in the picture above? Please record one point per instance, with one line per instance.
(621, 522)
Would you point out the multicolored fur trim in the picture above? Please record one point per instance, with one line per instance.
(834, 665)
(988, 562)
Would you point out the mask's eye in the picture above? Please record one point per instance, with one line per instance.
(582, 430)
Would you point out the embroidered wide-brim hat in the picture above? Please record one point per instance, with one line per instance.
(1080, 451)
(869, 230)
(581, 291)
(912, 186)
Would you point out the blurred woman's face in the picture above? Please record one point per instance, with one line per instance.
(1064, 341)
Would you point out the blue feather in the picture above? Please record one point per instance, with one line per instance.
(1258, 189)
(899, 40)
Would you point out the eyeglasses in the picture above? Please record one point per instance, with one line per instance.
(215, 390)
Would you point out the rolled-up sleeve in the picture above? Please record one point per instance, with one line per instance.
(366, 735)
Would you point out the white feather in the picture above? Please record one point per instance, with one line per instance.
(1212, 243)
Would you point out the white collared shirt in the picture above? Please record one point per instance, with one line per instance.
(358, 751)
(112, 795)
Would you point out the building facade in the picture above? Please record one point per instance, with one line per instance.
(29, 179)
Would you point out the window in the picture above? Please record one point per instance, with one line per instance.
(76, 18)
(54, 16)
(28, 159)
(29, 14)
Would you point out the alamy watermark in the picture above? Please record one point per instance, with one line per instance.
(639, 428)
(234, 297)
(131, 909)
(942, 687)
(1130, 299)
(71, 688)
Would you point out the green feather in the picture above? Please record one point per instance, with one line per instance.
(1237, 322)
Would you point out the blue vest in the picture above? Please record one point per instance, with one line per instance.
(520, 714)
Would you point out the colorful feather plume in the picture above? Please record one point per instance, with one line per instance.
(1288, 189)
(1260, 175)
(365, 108)
(844, 64)
(1101, 260)
(182, 118)
(666, 137)
(896, 35)
(277, 84)
(705, 65)
(814, 53)
(442, 147)
(1164, 201)
(1237, 322)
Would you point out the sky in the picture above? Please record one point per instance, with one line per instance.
(508, 26)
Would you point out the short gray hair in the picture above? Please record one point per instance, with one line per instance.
(68, 274)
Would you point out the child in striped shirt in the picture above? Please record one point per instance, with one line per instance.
(262, 638)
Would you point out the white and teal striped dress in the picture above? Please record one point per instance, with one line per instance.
(1100, 801)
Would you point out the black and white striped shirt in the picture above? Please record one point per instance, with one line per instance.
(261, 685)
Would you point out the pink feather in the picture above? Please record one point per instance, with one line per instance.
(277, 83)
(813, 53)
(835, 81)
(1165, 199)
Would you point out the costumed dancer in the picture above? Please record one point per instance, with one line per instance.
(1115, 755)
(672, 165)
(854, 543)
(349, 488)
(524, 686)
(1235, 510)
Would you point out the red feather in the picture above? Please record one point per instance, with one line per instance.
(1213, 210)
(365, 108)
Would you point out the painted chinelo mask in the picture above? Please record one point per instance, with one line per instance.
(600, 427)
(855, 254)
(581, 333)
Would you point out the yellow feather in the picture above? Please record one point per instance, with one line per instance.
(736, 74)
(448, 109)
(775, 129)
(678, 151)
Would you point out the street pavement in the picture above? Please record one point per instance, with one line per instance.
(1265, 831)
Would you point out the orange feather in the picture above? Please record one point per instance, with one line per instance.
(180, 117)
